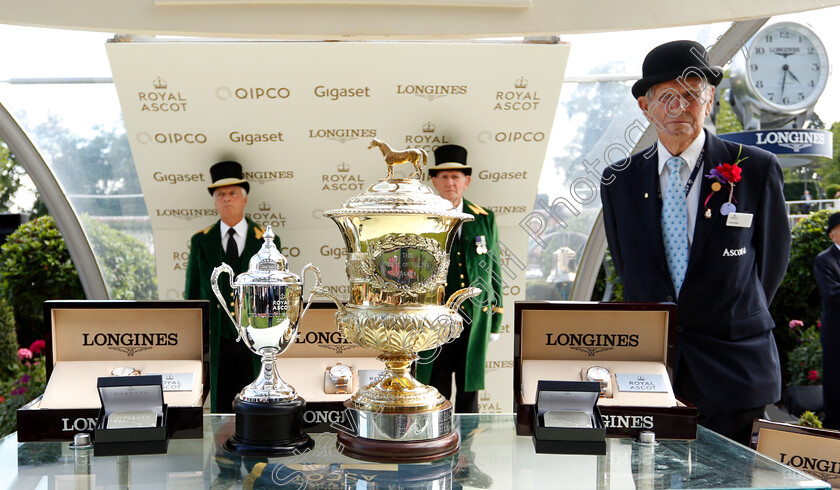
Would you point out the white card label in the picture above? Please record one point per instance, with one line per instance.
(642, 383)
(177, 381)
(741, 220)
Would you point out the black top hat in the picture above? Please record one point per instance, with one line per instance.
(227, 173)
(673, 60)
(833, 221)
(450, 157)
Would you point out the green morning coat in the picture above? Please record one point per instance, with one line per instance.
(485, 310)
(206, 253)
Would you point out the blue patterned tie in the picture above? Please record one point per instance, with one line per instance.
(674, 224)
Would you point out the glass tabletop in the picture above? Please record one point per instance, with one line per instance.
(491, 456)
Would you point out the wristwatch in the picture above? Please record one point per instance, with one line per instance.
(602, 376)
(125, 371)
(341, 377)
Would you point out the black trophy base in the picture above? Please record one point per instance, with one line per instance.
(269, 429)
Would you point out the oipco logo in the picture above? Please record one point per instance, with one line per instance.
(342, 179)
(427, 138)
(176, 138)
(510, 136)
(161, 98)
(268, 93)
(517, 99)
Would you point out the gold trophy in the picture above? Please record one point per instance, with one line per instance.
(398, 236)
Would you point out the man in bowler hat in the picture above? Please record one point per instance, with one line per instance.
(827, 272)
(679, 231)
(476, 244)
(233, 240)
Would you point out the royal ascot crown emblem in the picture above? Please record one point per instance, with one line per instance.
(268, 308)
(398, 235)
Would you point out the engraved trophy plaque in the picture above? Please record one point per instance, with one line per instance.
(267, 302)
(398, 236)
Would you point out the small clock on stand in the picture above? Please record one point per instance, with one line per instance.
(781, 79)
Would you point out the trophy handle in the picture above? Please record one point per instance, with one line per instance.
(320, 291)
(214, 283)
(461, 295)
(309, 267)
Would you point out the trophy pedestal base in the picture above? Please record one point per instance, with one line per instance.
(400, 436)
(269, 429)
(398, 451)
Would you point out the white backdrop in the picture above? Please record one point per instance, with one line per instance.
(300, 116)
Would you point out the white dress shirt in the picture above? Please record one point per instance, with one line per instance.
(690, 155)
(241, 230)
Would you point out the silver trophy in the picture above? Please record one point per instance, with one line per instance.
(267, 303)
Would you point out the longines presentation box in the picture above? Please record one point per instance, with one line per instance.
(133, 418)
(304, 365)
(87, 340)
(633, 342)
(814, 451)
(567, 419)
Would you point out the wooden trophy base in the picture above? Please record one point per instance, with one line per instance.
(269, 429)
(398, 451)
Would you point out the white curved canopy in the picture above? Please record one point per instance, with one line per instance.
(414, 19)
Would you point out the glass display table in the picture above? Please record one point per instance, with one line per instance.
(491, 456)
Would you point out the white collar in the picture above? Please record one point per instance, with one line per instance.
(240, 228)
(690, 154)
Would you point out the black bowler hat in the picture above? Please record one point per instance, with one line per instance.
(227, 173)
(833, 221)
(673, 60)
(450, 157)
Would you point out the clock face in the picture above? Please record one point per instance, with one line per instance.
(787, 68)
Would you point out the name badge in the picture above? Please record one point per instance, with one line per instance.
(741, 220)
(641, 383)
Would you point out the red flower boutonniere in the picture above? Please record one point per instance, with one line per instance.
(725, 174)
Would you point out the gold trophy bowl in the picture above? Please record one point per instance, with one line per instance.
(398, 236)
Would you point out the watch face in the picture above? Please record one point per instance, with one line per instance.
(598, 373)
(787, 67)
(341, 371)
(124, 371)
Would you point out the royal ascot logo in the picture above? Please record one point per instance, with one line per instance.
(180, 259)
(266, 217)
(161, 98)
(431, 92)
(331, 340)
(171, 138)
(342, 179)
(185, 213)
(337, 93)
(342, 135)
(173, 179)
(486, 404)
(427, 139)
(504, 210)
(592, 343)
(510, 136)
(262, 177)
(249, 139)
(795, 140)
(268, 94)
(518, 99)
(129, 343)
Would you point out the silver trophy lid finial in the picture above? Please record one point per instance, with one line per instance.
(268, 236)
(268, 258)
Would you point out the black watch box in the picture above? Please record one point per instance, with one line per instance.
(583, 434)
(133, 418)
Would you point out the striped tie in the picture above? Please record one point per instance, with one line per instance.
(674, 224)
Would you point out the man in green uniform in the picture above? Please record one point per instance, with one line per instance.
(473, 261)
(233, 239)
